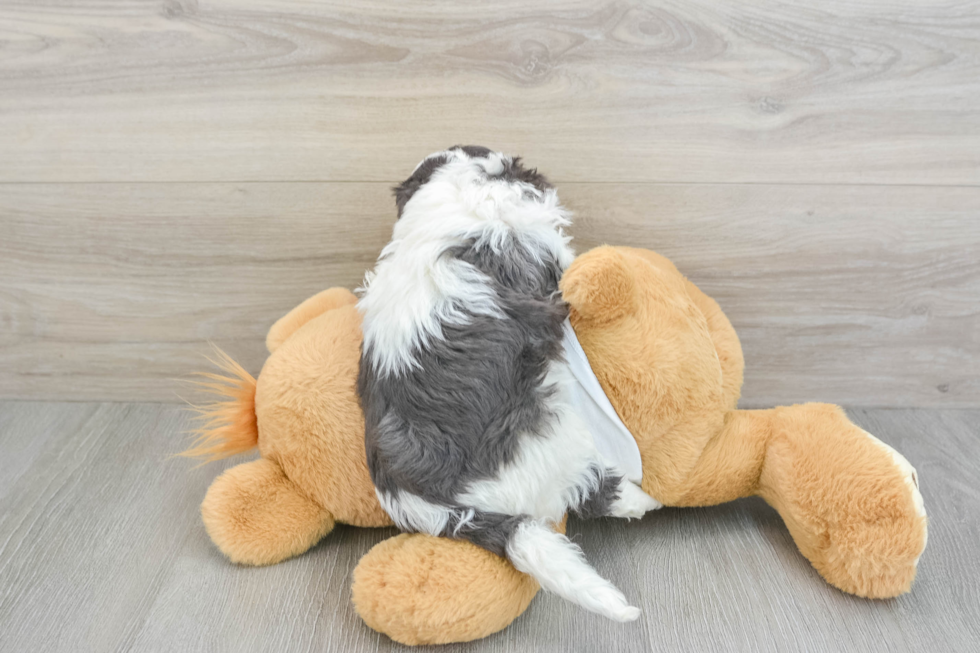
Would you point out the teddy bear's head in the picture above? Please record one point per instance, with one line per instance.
(645, 329)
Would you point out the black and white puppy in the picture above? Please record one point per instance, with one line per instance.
(470, 430)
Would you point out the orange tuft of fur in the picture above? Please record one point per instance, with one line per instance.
(227, 426)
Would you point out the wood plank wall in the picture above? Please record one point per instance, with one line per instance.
(176, 172)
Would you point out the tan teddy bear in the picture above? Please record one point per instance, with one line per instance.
(671, 365)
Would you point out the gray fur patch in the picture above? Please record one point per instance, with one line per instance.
(514, 171)
(489, 530)
(599, 503)
(474, 151)
(404, 191)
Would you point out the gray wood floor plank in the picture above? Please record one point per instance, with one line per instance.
(91, 530)
(102, 549)
(302, 604)
(25, 430)
(944, 447)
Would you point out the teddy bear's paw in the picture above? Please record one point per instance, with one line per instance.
(910, 477)
(871, 525)
(257, 516)
(633, 502)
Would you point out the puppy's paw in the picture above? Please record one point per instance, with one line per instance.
(633, 502)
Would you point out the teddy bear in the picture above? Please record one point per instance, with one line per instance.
(669, 363)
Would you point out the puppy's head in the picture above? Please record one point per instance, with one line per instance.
(470, 163)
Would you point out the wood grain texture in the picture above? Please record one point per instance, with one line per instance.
(102, 549)
(175, 171)
(866, 295)
(91, 528)
(673, 90)
(858, 296)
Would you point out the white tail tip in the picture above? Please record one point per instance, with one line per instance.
(560, 567)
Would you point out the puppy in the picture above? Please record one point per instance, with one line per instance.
(470, 431)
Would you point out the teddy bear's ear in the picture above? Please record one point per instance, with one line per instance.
(599, 285)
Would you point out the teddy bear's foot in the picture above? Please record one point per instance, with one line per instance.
(878, 557)
(851, 502)
(419, 589)
(256, 516)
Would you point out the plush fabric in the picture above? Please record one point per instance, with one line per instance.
(671, 365)
(257, 516)
(419, 589)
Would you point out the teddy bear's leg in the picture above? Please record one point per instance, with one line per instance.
(851, 503)
(419, 589)
(315, 306)
(257, 516)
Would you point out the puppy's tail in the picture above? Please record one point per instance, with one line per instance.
(560, 566)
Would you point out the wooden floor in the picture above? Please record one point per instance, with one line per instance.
(102, 549)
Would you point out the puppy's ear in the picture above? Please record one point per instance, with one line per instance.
(599, 285)
(404, 191)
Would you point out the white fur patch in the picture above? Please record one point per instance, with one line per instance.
(633, 502)
(552, 472)
(413, 513)
(561, 568)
